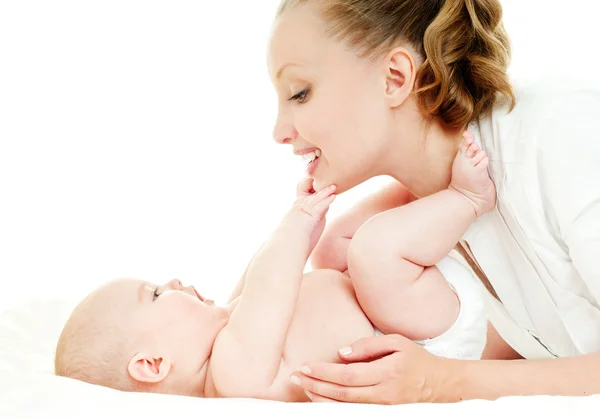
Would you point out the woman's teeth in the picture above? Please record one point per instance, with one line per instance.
(310, 157)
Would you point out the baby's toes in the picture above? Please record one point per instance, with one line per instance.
(466, 141)
(468, 135)
(472, 150)
(481, 160)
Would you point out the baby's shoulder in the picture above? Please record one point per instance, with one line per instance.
(226, 365)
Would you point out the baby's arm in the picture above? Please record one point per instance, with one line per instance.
(237, 291)
(254, 338)
(391, 258)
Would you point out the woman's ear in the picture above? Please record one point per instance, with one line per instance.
(400, 74)
(148, 369)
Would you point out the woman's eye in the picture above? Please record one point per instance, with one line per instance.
(300, 97)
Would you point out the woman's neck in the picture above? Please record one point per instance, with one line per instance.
(431, 147)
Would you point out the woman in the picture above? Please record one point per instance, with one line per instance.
(369, 88)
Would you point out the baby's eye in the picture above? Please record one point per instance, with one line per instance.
(155, 295)
(300, 97)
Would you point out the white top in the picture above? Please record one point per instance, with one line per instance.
(540, 247)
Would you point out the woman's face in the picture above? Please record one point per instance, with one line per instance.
(332, 104)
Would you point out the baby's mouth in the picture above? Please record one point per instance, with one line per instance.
(205, 301)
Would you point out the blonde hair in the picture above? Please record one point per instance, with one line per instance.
(463, 43)
(92, 348)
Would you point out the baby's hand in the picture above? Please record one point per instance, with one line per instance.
(314, 204)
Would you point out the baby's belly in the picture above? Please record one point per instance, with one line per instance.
(327, 318)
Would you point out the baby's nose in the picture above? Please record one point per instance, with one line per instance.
(175, 284)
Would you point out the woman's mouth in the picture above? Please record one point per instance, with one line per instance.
(312, 155)
(312, 159)
(312, 165)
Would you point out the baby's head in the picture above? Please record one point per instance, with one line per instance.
(131, 335)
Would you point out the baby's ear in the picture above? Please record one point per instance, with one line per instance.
(148, 369)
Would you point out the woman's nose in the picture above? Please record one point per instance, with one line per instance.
(284, 132)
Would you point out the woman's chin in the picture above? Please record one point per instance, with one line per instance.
(319, 184)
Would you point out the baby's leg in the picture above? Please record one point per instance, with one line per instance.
(391, 259)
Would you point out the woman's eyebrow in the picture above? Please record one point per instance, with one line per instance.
(283, 67)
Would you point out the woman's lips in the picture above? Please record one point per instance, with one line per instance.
(312, 166)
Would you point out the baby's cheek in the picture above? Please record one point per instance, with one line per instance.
(180, 306)
(193, 307)
(187, 304)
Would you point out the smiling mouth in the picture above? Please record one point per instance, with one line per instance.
(204, 301)
(311, 157)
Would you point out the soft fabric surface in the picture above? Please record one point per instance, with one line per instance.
(29, 389)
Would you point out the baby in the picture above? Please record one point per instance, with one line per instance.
(134, 336)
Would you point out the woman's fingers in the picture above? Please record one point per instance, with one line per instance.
(373, 347)
(410, 374)
(315, 398)
(319, 390)
(351, 375)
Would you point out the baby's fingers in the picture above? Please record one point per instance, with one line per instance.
(320, 209)
(321, 195)
(313, 200)
(305, 187)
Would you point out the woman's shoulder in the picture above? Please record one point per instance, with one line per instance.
(546, 114)
(560, 115)
(552, 97)
(553, 130)
(549, 144)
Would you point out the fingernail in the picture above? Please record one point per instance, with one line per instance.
(346, 351)
(305, 370)
(294, 379)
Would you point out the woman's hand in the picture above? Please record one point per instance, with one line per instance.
(383, 370)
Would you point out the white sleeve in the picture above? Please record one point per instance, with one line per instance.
(569, 175)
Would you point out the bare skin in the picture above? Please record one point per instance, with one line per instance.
(278, 317)
(363, 117)
(283, 317)
(392, 256)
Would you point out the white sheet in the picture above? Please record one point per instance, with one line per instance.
(29, 389)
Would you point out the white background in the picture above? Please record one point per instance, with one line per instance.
(135, 137)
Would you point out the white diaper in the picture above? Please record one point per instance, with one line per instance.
(466, 338)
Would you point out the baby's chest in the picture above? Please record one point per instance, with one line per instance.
(327, 318)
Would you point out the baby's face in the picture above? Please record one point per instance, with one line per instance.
(168, 321)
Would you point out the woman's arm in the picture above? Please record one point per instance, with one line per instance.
(568, 177)
(332, 248)
(404, 372)
(573, 376)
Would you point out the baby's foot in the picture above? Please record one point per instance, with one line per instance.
(470, 176)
